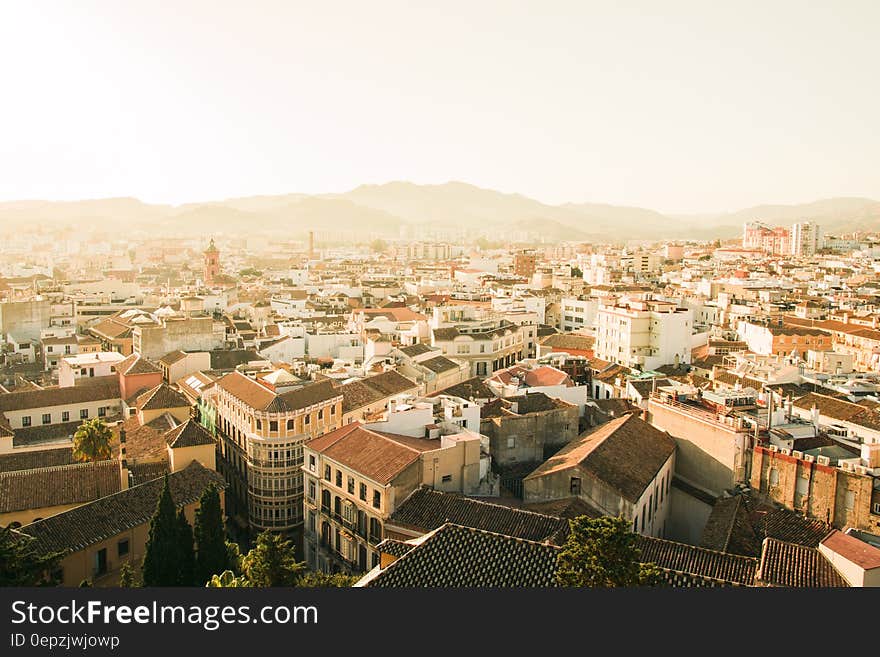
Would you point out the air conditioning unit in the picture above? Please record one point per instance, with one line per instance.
(785, 451)
(823, 460)
(809, 458)
(846, 466)
(797, 454)
(862, 470)
(773, 448)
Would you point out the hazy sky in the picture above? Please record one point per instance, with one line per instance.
(677, 106)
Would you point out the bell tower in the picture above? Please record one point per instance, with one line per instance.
(212, 263)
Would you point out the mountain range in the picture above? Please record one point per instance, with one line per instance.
(383, 210)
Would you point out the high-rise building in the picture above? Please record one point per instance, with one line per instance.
(806, 238)
(524, 264)
(770, 239)
(644, 334)
(212, 263)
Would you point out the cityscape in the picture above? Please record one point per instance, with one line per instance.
(438, 295)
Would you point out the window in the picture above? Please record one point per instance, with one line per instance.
(574, 486)
(259, 425)
(312, 462)
(636, 524)
(876, 507)
(339, 479)
(290, 425)
(377, 499)
(47, 418)
(102, 411)
(332, 410)
(122, 547)
(26, 421)
(511, 442)
(273, 425)
(83, 414)
(773, 477)
(362, 493)
(312, 521)
(101, 561)
(351, 485)
(447, 479)
(320, 413)
(850, 500)
(327, 473)
(307, 419)
(312, 489)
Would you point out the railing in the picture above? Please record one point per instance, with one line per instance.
(695, 411)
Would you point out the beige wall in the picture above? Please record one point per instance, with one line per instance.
(707, 452)
(181, 457)
(79, 565)
(27, 516)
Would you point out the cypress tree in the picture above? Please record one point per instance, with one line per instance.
(161, 567)
(186, 555)
(210, 536)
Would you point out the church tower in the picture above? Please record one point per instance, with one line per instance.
(212, 264)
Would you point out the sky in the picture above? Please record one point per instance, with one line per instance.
(675, 106)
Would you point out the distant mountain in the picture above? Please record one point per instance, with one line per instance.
(384, 209)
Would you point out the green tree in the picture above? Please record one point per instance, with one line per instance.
(186, 556)
(272, 562)
(211, 552)
(603, 552)
(227, 579)
(577, 272)
(91, 442)
(234, 558)
(128, 577)
(161, 566)
(21, 564)
(321, 580)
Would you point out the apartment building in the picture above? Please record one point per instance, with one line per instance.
(643, 335)
(806, 239)
(485, 340)
(355, 478)
(578, 313)
(177, 333)
(72, 369)
(261, 433)
(783, 339)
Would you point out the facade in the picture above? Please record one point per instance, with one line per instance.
(775, 240)
(85, 366)
(622, 468)
(644, 334)
(841, 492)
(261, 433)
(524, 264)
(355, 477)
(484, 340)
(806, 239)
(783, 339)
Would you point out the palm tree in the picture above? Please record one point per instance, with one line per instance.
(91, 442)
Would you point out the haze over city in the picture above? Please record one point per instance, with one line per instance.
(684, 107)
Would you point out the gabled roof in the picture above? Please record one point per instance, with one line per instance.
(108, 516)
(456, 556)
(625, 453)
(787, 564)
(364, 392)
(376, 455)
(58, 485)
(173, 357)
(36, 399)
(696, 562)
(161, 397)
(426, 509)
(189, 434)
(137, 364)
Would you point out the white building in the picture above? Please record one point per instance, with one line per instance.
(84, 366)
(578, 313)
(644, 334)
(806, 239)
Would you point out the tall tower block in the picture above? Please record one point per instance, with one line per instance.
(212, 263)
